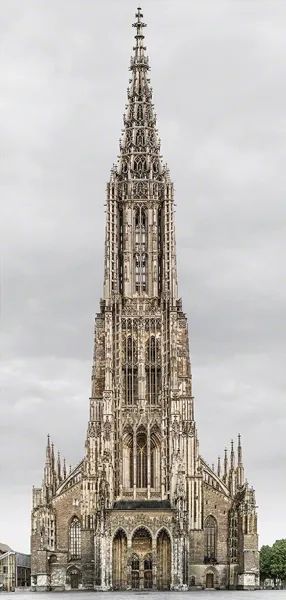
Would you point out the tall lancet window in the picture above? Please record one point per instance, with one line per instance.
(141, 459)
(140, 255)
(131, 371)
(75, 539)
(210, 538)
(153, 370)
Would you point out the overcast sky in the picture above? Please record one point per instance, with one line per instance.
(218, 74)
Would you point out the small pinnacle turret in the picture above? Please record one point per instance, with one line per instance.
(225, 472)
(240, 468)
(218, 467)
(232, 458)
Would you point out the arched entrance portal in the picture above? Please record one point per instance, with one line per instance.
(119, 561)
(209, 580)
(74, 577)
(163, 561)
(141, 561)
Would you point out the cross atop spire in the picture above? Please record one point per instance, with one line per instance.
(139, 24)
(139, 59)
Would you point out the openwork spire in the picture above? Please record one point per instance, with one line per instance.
(139, 157)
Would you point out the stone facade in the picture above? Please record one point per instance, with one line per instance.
(142, 510)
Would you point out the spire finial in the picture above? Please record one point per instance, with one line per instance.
(139, 58)
(139, 24)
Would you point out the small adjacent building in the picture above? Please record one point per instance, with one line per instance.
(15, 569)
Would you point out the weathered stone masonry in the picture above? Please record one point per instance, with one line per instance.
(142, 510)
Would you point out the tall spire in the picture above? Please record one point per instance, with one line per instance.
(136, 267)
(139, 145)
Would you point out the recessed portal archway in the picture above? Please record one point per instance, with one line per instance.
(142, 560)
(209, 580)
(119, 561)
(163, 560)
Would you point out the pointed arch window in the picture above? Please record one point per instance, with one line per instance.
(153, 370)
(140, 137)
(141, 459)
(131, 371)
(140, 111)
(131, 350)
(210, 539)
(155, 459)
(155, 167)
(140, 256)
(140, 166)
(233, 537)
(75, 539)
(124, 167)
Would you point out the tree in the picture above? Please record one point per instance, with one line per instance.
(278, 560)
(265, 562)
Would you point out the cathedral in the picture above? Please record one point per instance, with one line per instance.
(143, 509)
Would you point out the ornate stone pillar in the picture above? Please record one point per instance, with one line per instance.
(134, 461)
(148, 461)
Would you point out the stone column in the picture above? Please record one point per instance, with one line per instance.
(148, 462)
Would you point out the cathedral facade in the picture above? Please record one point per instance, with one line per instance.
(142, 510)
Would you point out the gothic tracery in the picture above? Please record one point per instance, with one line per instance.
(142, 510)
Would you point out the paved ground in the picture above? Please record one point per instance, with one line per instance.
(203, 595)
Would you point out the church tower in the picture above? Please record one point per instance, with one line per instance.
(142, 510)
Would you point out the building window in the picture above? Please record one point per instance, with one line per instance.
(210, 539)
(141, 459)
(153, 370)
(131, 372)
(233, 537)
(155, 459)
(140, 255)
(75, 539)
